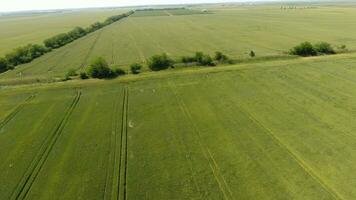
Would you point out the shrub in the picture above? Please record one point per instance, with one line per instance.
(119, 72)
(206, 60)
(99, 68)
(199, 56)
(304, 49)
(188, 59)
(71, 72)
(220, 57)
(324, 48)
(3, 65)
(83, 75)
(136, 68)
(159, 62)
(252, 54)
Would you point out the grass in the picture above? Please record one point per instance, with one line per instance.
(252, 131)
(272, 127)
(19, 30)
(267, 30)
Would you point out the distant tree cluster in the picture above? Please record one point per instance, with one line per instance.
(308, 49)
(29, 52)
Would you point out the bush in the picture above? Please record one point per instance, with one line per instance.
(221, 57)
(199, 56)
(136, 68)
(3, 65)
(188, 59)
(159, 62)
(83, 75)
(324, 48)
(252, 54)
(119, 72)
(71, 72)
(304, 49)
(99, 68)
(206, 61)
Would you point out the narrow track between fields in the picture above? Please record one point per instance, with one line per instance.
(36, 165)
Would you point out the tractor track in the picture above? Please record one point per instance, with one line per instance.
(27, 180)
(122, 190)
(13, 113)
(90, 51)
(220, 179)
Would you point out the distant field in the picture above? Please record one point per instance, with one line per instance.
(18, 30)
(274, 130)
(236, 31)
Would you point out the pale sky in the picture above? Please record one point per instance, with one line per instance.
(17, 5)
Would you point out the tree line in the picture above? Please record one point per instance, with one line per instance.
(26, 54)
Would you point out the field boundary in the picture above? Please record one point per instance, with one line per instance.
(224, 187)
(15, 111)
(25, 184)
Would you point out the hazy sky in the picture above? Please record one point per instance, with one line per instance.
(15, 5)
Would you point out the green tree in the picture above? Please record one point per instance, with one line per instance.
(252, 54)
(159, 62)
(99, 68)
(324, 48)
(3, 65)
(136, 68)
(304, 49)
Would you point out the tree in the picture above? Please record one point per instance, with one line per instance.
(159, 62)
(304, 49)
(99, 68)
(136, 68)
(252, 54)
(76, 33)
(119, 72)
(199, 56)
(206, 60)
(83, 75)
(3, 65)
(324, 48)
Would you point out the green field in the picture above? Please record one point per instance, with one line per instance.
(274, 130)
(267, 30)
(18, 30)
(270, 127)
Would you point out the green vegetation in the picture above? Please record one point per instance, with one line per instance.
(135, 68)
(254, 131)
(307, 49)
(235, 32)
(99, 68)
(19, 29)
(28, 53)
(275, 126)
(159, 62)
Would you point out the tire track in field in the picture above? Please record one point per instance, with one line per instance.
(223, 186)
(118, 156)
(112, 177)
(13, 113)
(36, 165)
(123, 154)
(90, 51)
(295, 157)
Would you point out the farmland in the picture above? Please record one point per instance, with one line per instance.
(18, 30)
(258, 131)
(267, 30)
(268, 127)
